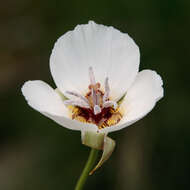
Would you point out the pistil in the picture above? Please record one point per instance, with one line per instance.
(94, 89)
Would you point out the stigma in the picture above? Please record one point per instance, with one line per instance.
(96, 106)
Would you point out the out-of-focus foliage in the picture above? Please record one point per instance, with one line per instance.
(36, 153)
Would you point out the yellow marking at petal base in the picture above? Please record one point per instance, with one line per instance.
(115, 118)
(107, 117)
(81, 119)
(112, 118)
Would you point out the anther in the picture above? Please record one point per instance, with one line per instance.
(97, 109)
(107, 90)
(78, 103)
(78, 95)
(109, 104)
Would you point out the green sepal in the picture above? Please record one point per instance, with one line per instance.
(109, 145)
(93, 139)
(99, 141)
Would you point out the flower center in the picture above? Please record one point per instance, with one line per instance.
(95, 107)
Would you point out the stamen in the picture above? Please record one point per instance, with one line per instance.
(78, 103)
(92, 77)
(78, 95)
(109, 104)
(107, 90)
(97, 109)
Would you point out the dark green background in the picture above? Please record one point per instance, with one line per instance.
(37, 154)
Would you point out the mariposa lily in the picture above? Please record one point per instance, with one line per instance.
(99, 86)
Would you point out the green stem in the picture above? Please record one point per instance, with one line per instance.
(88, 167)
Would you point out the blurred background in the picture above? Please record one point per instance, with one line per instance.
(36, 153)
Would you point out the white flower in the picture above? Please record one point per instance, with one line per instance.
(111, 60)
(99, 88)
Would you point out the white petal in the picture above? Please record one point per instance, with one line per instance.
(44, 99)
(108, 51)
(140, 99)
(72, 124)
